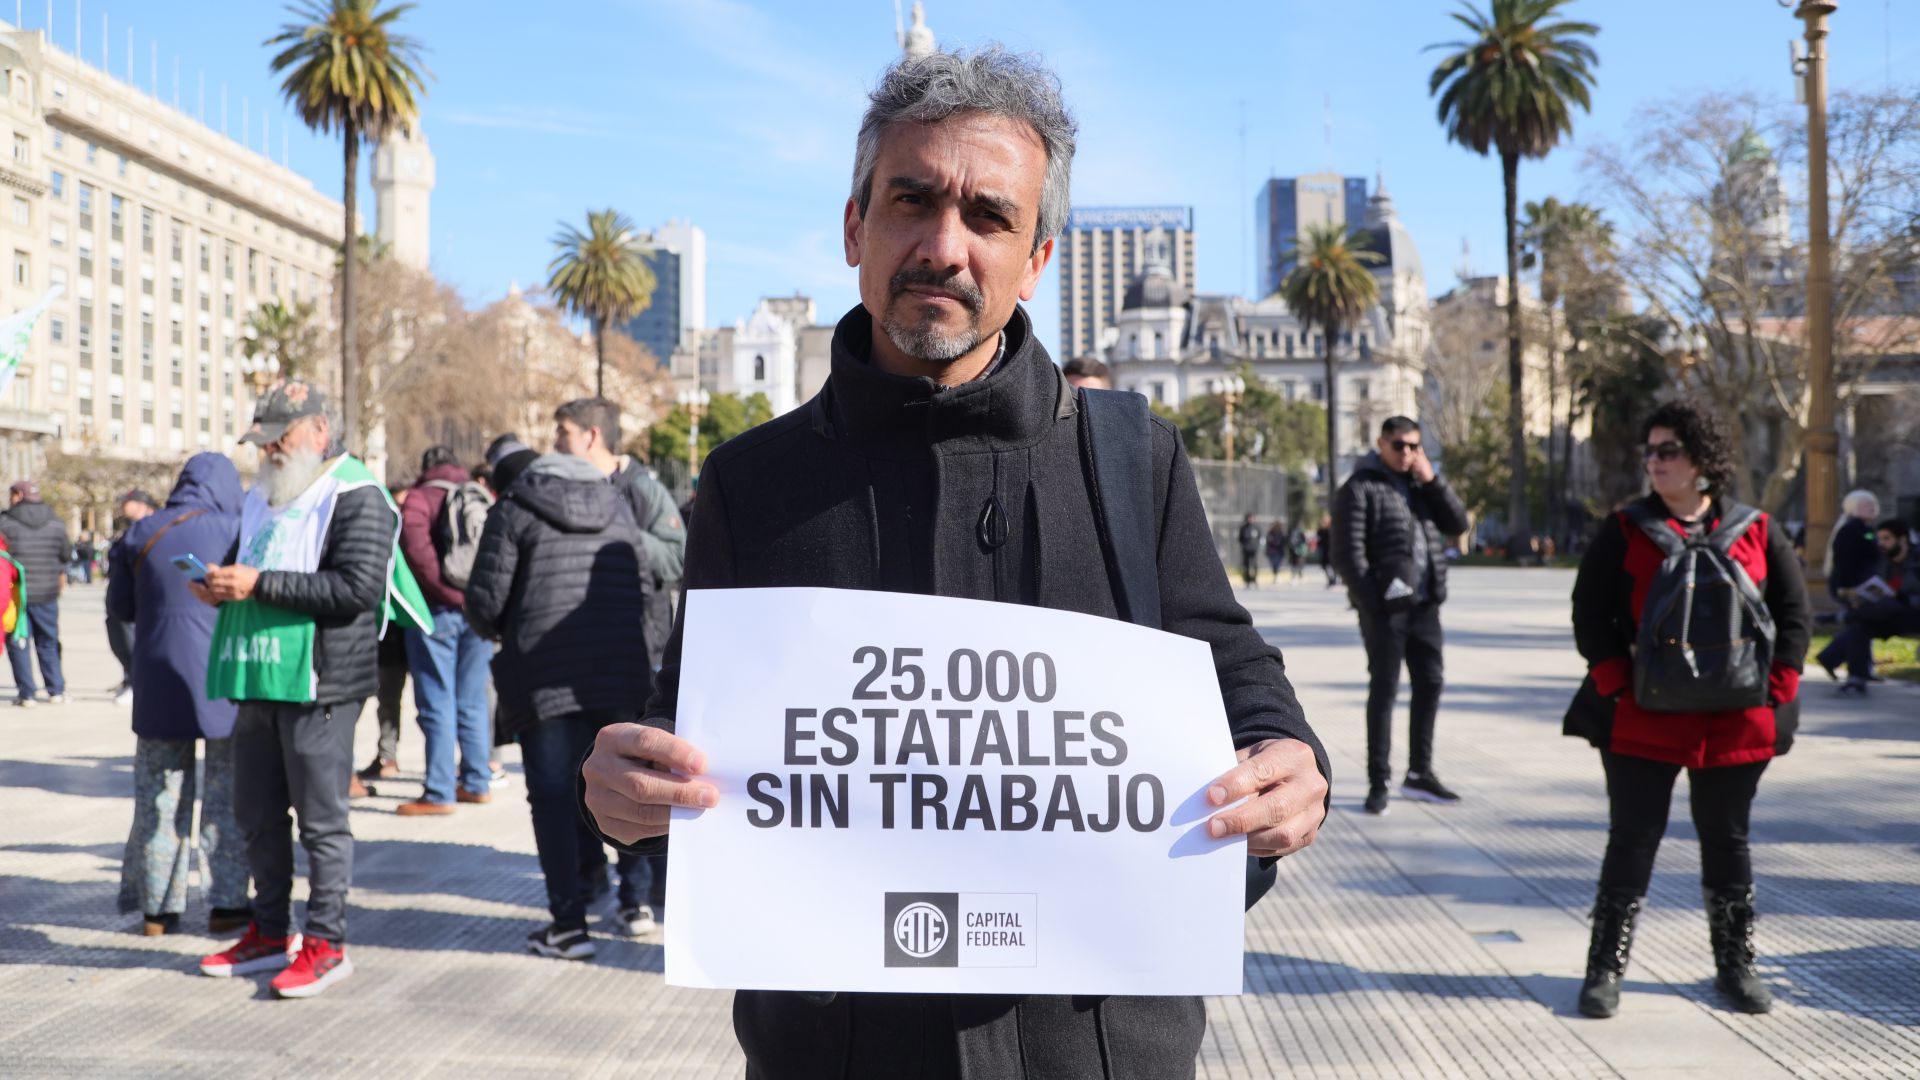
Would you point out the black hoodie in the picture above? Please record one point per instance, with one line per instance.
(557, 580)
(38, 542)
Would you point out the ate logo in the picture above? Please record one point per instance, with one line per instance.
(920, 929)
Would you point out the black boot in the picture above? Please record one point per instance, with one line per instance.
(1730, 924)
(1613, 916)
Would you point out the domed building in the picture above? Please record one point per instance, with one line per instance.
(1172, 345)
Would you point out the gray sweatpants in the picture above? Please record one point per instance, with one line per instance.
(296, 758)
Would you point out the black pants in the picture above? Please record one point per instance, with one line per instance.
(296, 758)
(1639, 793)
(1412, 638)
(1250, 565)
(120, 640)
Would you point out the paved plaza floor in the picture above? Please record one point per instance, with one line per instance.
(1433, 942)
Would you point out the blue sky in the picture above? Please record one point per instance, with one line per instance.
(740, 116)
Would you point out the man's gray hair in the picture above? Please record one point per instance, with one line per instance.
(928, 89)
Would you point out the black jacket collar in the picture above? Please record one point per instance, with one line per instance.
(872, 410)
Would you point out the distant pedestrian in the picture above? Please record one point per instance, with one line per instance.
(440, 527)
(38, 541)
(135, 507)
(315, 578)
(1276, 546)
(559, 582)
(1297, 552)
(1085, 372)
(1391, 521)
(171, 632)
(1851, 555)
(1892, 613)
(1653, 705)
(1250, 541)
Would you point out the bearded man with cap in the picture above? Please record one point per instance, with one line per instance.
(38, 541)
(311, 585)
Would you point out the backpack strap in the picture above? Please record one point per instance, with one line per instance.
(1735, 520)
(1655, 527)
(1118, 437)
(160, 532)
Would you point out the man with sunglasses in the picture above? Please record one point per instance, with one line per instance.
(1391, 520)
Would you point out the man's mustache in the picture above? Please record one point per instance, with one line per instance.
(962, 290)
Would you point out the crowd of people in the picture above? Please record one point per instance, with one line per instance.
(526, 597)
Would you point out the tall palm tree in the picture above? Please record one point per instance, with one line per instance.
(345, 68)
(1558, 240)
(1511, 88)
(1331, 288)
(601, 274)
(282, 337)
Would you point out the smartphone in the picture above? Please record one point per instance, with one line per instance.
(190, 565)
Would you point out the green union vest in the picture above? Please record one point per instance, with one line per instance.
(265, 653)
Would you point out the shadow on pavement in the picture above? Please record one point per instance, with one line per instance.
(1277, 973)
(110, 778)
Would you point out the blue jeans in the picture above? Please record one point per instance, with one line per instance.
(450, 691)
(44, 619)
(550, 754)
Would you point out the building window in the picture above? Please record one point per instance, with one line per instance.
(146, 230)
(59, 137)
(116, 217)
(57, 378)
(206, 303)
(22, 212)
(206, 257)
(176, 336)
(1319, 390)
(22, 269)
(226, 262)
(178, 230)
(759, 368)
(227, 304)
(86, 207)
(57, 329)
(114, 272)
(84, 331)
(22, 149)
(206, 342)
(86, 262)
(59, 184)
(253, 270)
(57, 234)
(92, 150)
(179, 290)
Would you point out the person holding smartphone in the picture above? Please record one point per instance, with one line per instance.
(1391, 520)
(149, 570)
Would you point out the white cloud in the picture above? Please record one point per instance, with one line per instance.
(541, 119)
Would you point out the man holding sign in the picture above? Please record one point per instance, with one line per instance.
(947, 456)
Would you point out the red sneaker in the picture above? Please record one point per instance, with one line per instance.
(255, 952)
(321, 963)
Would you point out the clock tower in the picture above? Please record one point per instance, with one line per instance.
(403, 191)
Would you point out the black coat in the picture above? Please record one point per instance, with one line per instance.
(173, 631)
(344, 595)
(885, 482)
(38, 542)
(1379, 535)
(1856, 555)
(559, 579)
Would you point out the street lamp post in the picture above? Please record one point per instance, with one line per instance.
(695, 401)
(1822, 441)
(1231, 389)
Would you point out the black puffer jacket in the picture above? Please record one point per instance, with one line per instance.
(343, 595)
(38, 541)
(558, 579)
(1379, 536)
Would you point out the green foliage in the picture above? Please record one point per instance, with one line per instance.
(1267, 428)
(346, 68)
(725, 416)
(1330, 286)
(1511, 85)
(1619, 372)
(286, 338)
(1480, 469)
(1569, 243)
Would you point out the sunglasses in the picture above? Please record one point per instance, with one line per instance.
(1666, 451)
(1403, 445)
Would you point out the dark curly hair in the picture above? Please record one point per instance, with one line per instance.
(1700, 433)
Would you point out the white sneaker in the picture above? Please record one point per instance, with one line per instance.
(123, 697)
(56, 699)
(24, 703)
(635, 922)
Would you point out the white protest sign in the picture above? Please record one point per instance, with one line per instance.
(949, 796)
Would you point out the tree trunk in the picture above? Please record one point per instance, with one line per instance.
(1554, 475)
(349, 274)
(1518, 527)
(1333, 418)
(599, 358)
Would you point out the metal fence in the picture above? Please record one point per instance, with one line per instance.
(1232, 491)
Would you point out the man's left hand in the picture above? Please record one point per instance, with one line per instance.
(1422, 469)
(1285, 798)
(230, 583)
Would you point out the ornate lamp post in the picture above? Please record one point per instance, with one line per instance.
(1232, 388)
(1822, 441)
(261, 369)
(695, 401)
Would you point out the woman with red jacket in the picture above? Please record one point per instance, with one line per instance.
(1689, 468)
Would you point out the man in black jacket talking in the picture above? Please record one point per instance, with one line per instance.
(944, 457)
(1390, 523)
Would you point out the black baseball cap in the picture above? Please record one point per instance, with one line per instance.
(289, 401)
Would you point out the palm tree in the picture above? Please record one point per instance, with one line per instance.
(1559, 239)
(281, 338)
(601, 274)
(1511, 88)
(1330, 287)
(345, 68)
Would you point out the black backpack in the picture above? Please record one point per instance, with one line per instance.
(1706, 636)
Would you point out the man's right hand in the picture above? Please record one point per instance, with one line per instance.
(637, 774)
